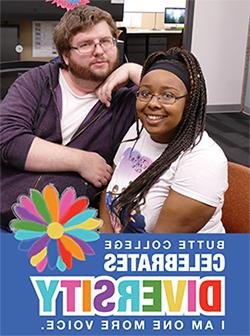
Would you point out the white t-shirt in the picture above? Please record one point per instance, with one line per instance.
(75, 108)
(200, 173)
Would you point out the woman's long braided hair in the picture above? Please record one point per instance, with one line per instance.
(191, 127)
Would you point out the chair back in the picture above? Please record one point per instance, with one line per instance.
(236, 208)
(10, 71)
(123, 37)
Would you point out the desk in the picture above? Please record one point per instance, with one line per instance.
(142, 42)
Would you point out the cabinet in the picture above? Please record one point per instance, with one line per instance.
(136, 48)
(140, 45)
(156, 42)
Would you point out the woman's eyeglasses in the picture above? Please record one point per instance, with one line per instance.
(165, 98)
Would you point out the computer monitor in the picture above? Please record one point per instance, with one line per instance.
(174, 18)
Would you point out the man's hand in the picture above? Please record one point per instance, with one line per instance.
(117, 79)
(94, 169)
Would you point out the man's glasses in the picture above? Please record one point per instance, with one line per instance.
(165, 98)
(88, 47)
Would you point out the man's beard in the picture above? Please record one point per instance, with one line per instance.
(83, 72)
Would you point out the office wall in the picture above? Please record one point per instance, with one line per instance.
(147, 14)
(151, 6)
(219, 41)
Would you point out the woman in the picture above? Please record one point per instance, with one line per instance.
(173, 173)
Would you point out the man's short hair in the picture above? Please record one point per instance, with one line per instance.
(80, 19)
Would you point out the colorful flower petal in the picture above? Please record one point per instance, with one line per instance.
(67, 199)
(39, 245)
(40, 205)
(79, 206)
(41, 266)
(86, 248)
(51, 198)
(92, 224)
(37, 258)
(65, 254)
(27, 203)
(60, 264)
(89, 224)
(20, 224)
(81, 217)
(72, 246)
(24, 235)
(85, 235)
(23, 213)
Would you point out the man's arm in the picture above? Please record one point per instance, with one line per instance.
(117, 79)
(21, 148)
(46, 156)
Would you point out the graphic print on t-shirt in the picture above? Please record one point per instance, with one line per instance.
(132, 164)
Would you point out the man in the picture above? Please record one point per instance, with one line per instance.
(53, 127)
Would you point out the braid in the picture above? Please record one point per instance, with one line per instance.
(191, 127)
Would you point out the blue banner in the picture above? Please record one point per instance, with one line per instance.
(139, 284)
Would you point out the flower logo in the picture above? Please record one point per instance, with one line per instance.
(64, 226)
(68, 4)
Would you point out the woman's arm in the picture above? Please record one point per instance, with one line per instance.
(198, 188)
(104, 215)
(182, 214)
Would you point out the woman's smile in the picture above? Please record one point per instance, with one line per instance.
(155, 117)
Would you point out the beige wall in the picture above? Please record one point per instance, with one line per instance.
(152, 20)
